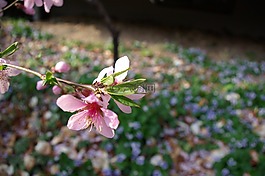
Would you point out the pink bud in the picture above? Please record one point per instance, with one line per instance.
(62, 67)
(40, 85)
(56, 90)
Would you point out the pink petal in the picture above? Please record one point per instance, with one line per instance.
(91, 99)
(40, 86)
(103, 129)
(106, 98)
(78, 121)
(123, 108)
(47, 5)
(38, 3)
(56, 90)
(4, 85)
(29, 3)
(62, 67)
(69, 103)
(12, 72)
(110, 118)
(122, 64)
(58, 2)
(135, 96)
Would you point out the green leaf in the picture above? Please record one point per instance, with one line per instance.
(114, 90)
(119, 73)
(9, 50)
(124, 100)
(111, 78)
(126, 88)
(107, 80)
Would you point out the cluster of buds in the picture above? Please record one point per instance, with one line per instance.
(90, 102)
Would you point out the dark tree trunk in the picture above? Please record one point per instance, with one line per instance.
(115, 33)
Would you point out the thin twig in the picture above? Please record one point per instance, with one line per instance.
(10, 5)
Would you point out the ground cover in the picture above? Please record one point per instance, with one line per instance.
(203, 117)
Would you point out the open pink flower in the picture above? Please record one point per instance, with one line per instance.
(3, 3)
(4, 77)
(29, 4)
(91, 111)
(121, 64)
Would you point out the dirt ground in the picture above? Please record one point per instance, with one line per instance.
(217, 46)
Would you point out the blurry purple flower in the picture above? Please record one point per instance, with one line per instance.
(139, 135)
(173, 101)
(108, 147)
(225, 172)
(231, 162)
(156, 173)
(107, 172)
(135, 125)
(140, 160)
(117, 172)
(164, 165)
(121, 157)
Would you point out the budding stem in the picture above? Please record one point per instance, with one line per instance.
(41, 76)
(10, 5)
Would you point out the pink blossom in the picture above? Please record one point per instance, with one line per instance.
(29, 11)
(121, 64)
(4, 77)
(62, 67)
(29, 4)
(90, 111)
(40, 86)
(3, 3)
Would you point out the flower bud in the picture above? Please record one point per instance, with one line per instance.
(40, 85)
(56, 90)
(62, 67)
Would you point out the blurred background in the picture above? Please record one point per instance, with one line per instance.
(204, 110)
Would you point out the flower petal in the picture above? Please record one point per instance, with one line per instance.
(29, 3)
(103, 129)
(122, 64)
(58, 2)
(78, 121)
(123, 108)
(4, 85)
(110, 118)
(135, 96)
(70, 103)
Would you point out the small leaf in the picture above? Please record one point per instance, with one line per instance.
(119, 73)
(114, 90)
(107, 80)
(9, 50)
(126, 88)
(124, 100)
(134, 83)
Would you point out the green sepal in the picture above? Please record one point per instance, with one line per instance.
(119, 73)
(2, 67)
(9, 50)
(124, 100)
(126, 88)
(50, 79)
